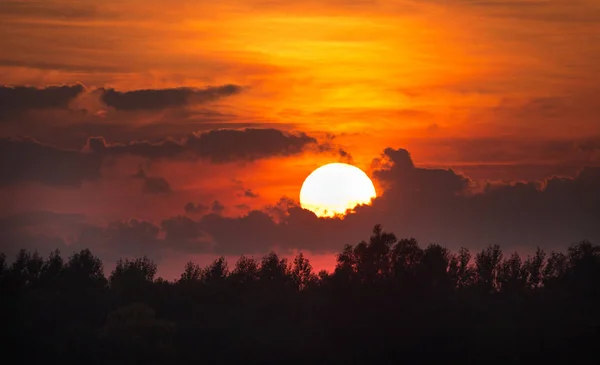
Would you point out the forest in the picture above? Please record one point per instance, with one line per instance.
(387, 301)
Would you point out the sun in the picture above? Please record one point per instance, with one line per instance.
(334, 188)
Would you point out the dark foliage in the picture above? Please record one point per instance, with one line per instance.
(388, 301)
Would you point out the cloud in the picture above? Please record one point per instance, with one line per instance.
(120, 239)
(345, 156)
(192, 208)
(252, 233)
(511, 150)
(38, 230)
(94, 105)
(245, 193)
(21, 98)
(153, 184)
(404, 181)
(184, 233)
(329, 147)
(45, 231)
(26, 159)
(217, 207)
(432, 205)
(248, 193)
(37, 218)
(219, 146)
(29, 160)
(165, 98)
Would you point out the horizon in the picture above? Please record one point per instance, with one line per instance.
(186, 132)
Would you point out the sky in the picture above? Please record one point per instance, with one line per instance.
(184, 130)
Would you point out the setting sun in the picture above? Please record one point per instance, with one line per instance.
(334, 188)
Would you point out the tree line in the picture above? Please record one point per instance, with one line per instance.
(387, 301)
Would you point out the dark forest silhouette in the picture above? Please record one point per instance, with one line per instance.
(388, 301)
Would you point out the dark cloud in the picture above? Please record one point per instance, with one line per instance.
(70, 128)
(16, 101)
(21, 98)
(120, 239)
(248, 193)
(432, 205)
(29, 160)
(192, 208)
(513, 150)
(406, 182)
(45, 231)
(39, 217)
(244, 192)
(184, 233)
(252, 233)
(219, 146)
(38, 230)
(228, 145)
(329, 147)
(153, 184)
(217, 207)
(345, 156)
(510, 172)
(152, 99)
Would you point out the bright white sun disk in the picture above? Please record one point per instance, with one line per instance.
(334, 188)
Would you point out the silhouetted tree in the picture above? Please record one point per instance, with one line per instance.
(137, 271)
(301, 273)
(533, 267)
(487, 266)
(433, 268)
(584, 269)
(25, 270)
(3, 266)
(459, 269)
(512, 276)
(191, 273)
(245, 271)
(372, 258)
(131, 279)
(405, 259)
(555, 270)
(216, 272)
(3, 272)
(53, 268)
(387, 301)
(84, 270)
(346, 267)
(273, 270)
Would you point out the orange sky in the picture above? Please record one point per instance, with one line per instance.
(489, 88)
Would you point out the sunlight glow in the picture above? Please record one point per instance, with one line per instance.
(334, 188)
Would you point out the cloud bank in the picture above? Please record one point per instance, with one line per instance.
(433, 205)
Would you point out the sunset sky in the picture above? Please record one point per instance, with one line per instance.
(184, 129)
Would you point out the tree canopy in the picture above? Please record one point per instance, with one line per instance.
(387, 300)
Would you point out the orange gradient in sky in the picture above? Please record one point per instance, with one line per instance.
(307, 58)
(337, 66)
(457, 83)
